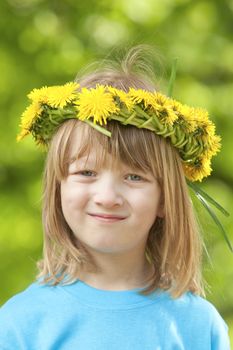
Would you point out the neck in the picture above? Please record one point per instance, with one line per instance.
(118, 272)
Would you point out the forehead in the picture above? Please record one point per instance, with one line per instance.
(127, 146)
(81, 143)
(88, 148)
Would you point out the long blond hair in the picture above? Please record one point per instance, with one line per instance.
(174, 245)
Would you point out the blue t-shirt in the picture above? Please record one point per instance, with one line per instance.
(79, 316)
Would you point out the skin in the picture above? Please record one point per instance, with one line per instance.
(117, 246)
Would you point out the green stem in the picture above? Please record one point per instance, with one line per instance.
(205, 199)
(197, 189)
(172, 77)
(98, 128)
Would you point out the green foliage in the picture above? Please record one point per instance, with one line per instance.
(48, 42)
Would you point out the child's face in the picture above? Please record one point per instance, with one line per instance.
(114, 190)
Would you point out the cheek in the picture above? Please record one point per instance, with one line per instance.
(149, 199)
(148, 205)
(72, 197)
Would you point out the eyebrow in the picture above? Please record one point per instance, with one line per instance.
(83, 161)
(91, 162)
(76, 159)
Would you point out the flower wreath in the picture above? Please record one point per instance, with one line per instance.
(189, 129)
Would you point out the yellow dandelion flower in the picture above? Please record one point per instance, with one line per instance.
(124, 96)
(59, 96)
(205, 168)
(187, 114)
(39, 95)
(196, 117)
(22, 134)
(141, 95)
(170, 115)
(163, 105)
(29, 116)
(197, 173)
(213, 145)
(96, 103)
(161, 99)
(207, 127)
(210, 128)
(201, 115)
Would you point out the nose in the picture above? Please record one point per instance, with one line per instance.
(108, 193)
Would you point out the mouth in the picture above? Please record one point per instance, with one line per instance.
(107, 217)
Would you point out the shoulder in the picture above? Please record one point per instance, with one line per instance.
(211, 321)
(22, 315)
(33, 290)
(203, 315)
(34, 298)
(195, 320)
(193, 311)
(196, 302)
(197, 306)
(203, 307)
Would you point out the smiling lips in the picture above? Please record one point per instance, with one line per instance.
(107, 217)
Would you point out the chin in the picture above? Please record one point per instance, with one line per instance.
(107, 249)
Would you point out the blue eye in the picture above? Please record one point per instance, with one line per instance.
(90, 173)
(86, 172)
(135, 177)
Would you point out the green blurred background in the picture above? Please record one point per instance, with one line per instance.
(47, 43)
